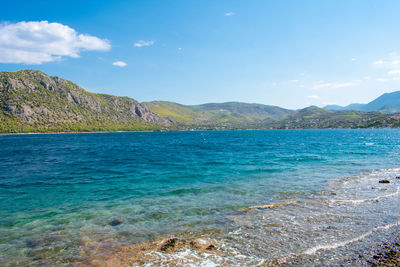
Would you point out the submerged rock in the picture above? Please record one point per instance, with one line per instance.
(384, 181)
(116, 222)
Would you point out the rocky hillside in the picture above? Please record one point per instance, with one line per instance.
(314, 117)
(31, 101)
(229, 115)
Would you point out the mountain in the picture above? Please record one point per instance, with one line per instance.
(31, 101)
(318, 118)
(386, 103)
(218, 115)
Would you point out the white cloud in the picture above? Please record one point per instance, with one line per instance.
(322, 84)
(353, 59)
(396, 78)
(393, 62)
(341, 85)
(293, 81)
(394, 72)
(381, 80)
(37, 42)
(119, 64)
(179, 48)
(229, 14)
(379, 63)
(313, 96)
(142, 43)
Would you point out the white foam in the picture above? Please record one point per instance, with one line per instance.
(312, 250)
(359, 201)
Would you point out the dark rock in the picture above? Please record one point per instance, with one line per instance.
(116, 222)
(384, 181)
(170, 243)
(210, 247)
(397, 177)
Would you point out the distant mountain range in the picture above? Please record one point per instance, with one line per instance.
(32, 101)
(386, 103)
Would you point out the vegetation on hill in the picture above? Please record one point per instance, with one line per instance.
(313, 117)
(229, 115)
(31, 101)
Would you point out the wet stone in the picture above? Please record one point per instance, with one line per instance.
(210, 247)
(384, 181)
(116, 222)
(169, 244)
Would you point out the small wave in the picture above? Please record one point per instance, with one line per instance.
(359, 201)
(369, 144)
(313, 250)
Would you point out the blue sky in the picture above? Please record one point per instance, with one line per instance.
(287, 53)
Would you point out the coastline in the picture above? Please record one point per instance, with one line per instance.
(368, 249)
(341, 216)
(201, 130)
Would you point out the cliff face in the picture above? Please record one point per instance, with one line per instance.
(32, 100)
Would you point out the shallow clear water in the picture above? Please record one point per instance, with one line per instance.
(62, 193)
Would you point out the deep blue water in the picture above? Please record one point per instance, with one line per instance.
(166, 182)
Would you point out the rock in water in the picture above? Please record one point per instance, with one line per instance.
(384, 181)
(116, 222)
(169, 244)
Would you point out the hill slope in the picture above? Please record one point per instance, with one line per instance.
(31, 101)
(229, 115)
(318, 118)
(386, 103)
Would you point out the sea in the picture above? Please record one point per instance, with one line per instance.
(199, 198)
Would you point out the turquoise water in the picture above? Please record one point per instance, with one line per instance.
(122, 188)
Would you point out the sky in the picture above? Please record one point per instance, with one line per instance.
(290, 53)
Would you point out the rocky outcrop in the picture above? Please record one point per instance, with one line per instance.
(33, 99)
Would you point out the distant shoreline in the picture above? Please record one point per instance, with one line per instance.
(205, 130)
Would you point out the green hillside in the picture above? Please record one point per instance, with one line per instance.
(229, 115)
(313, 117)
(31, 101)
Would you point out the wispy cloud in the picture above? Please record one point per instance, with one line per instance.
(142, 43)
(37, 42)
(393, 61)
(322, 84)
(353, 59)
(346, 84)
(394, 72)
(293, 81)
(119, 64)
(313, 96)
(381, 80)
(229, 14)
